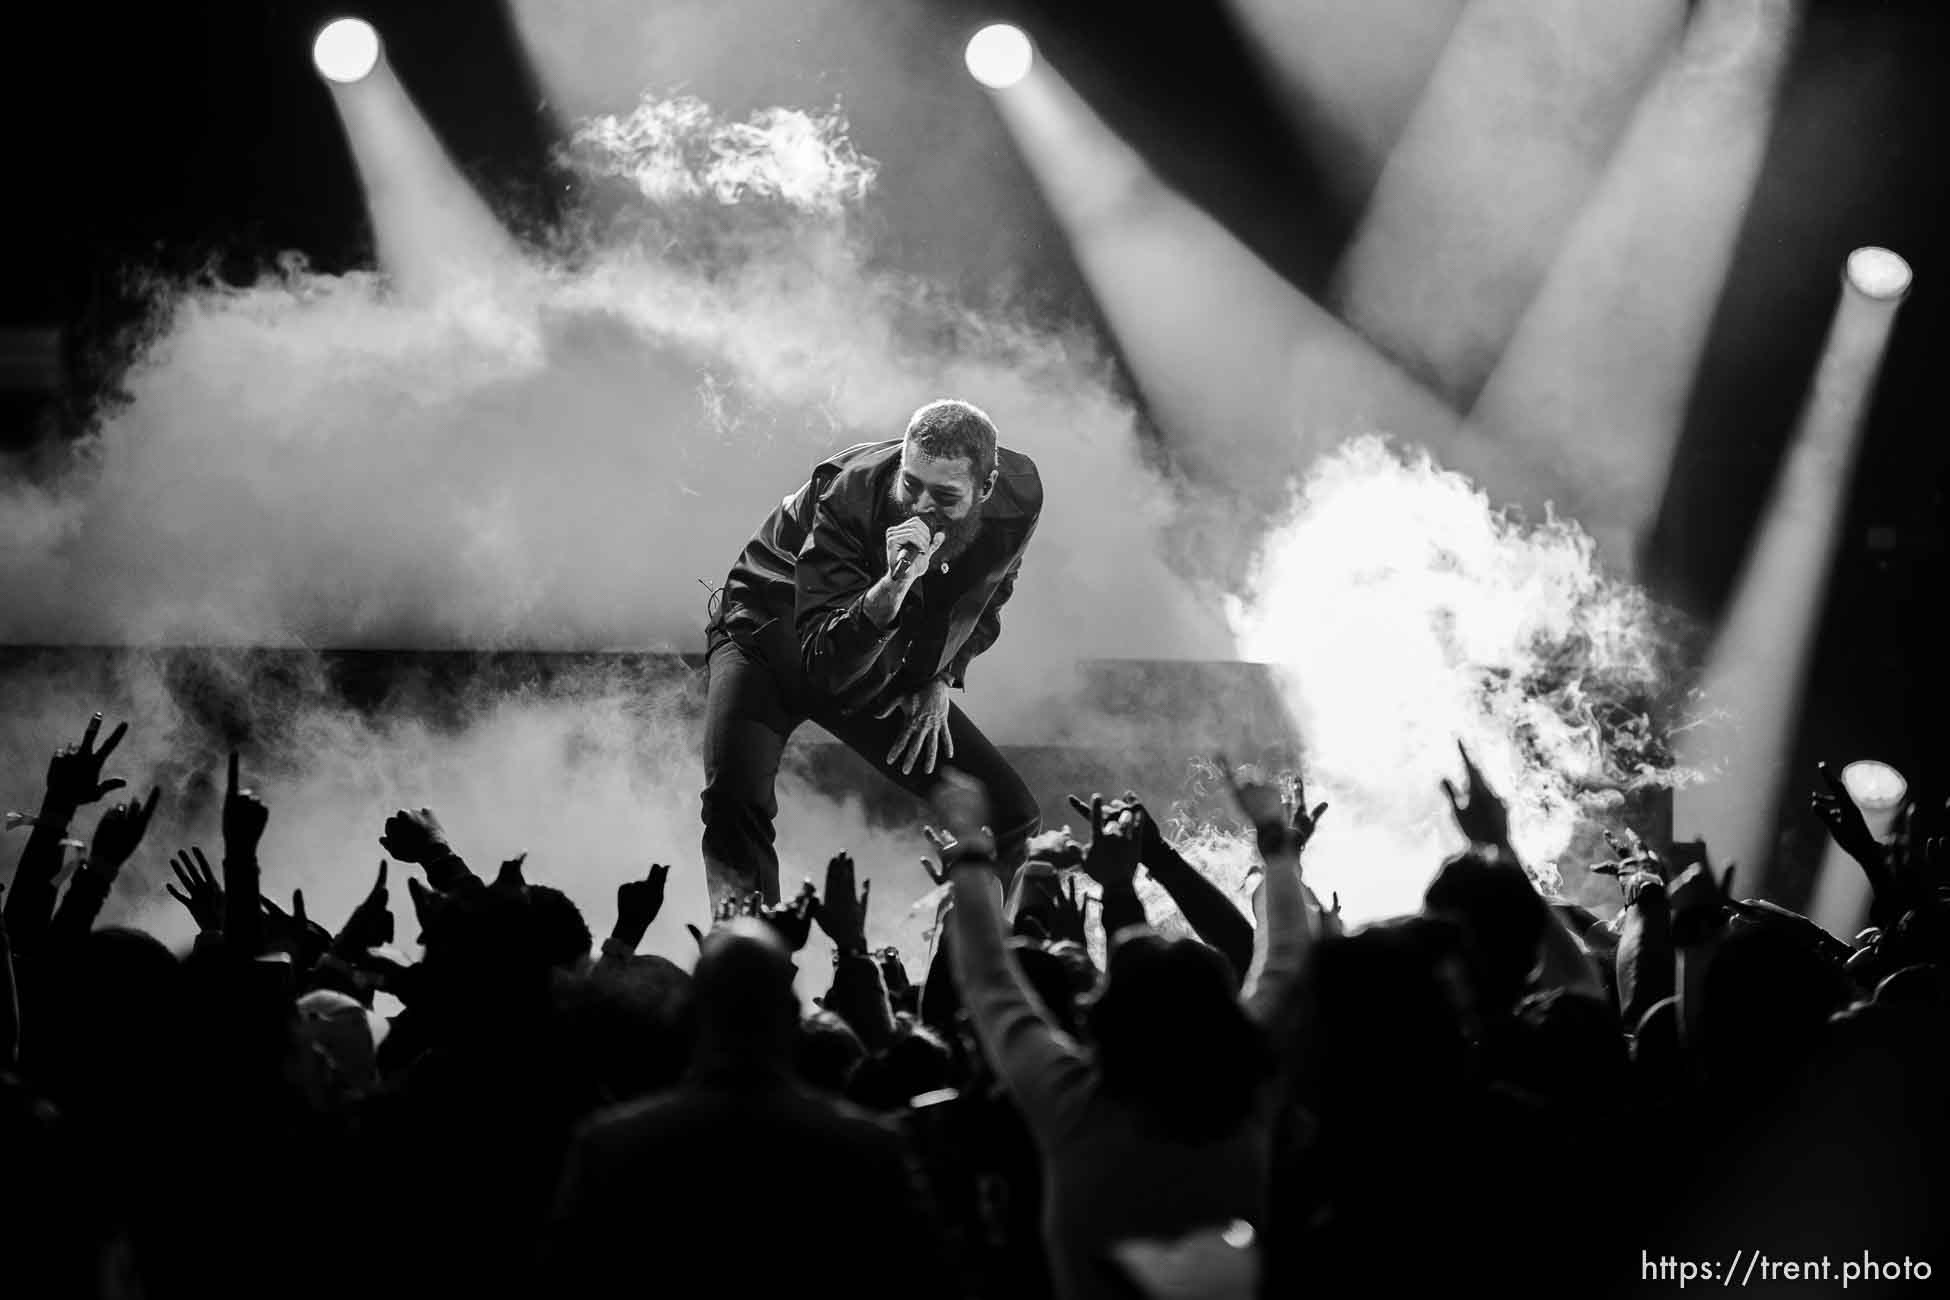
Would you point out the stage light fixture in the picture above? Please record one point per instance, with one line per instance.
(1878, 273)
(999, 56)
(1877, 788)
(346, 50)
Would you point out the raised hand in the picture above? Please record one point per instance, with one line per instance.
(120, 831)
(74, 774)
(371, 922)
(244, 818)
(415, 837)
(1483, 817)
(962, 805)
(953, 852)
(1066, 915)
(509, 879)
(1111, 858)
(793, 917)
(1845, 823)
(1699, 904)
(200, 895)
(842, 913)
(293, 932)
(1635, 864)
(1281, 820)
(638, 902)
(926, 736)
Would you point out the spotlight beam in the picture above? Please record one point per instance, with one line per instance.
(434, 233)
(1506, 144)
(1756, 674)
(1249, 376)
(1593, 387)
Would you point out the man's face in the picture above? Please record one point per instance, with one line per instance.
(942, 493)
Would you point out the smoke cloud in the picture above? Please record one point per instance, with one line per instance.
(554, 460)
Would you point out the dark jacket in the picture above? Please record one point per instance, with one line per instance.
(810, 563)
(743, 1185)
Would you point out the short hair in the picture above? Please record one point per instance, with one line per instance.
(954, 429)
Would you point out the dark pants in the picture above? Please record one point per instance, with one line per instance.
(756, 698)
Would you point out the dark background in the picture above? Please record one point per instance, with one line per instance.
(179, 135)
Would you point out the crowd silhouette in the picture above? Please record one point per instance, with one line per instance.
(1501, 1090)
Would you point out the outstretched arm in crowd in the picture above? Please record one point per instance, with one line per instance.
(1044, 1070)
(1205, 907)
(1645, 960)
(74, 780)
(858, 994)
(1285, 932)
(418, 837)
(117, 835)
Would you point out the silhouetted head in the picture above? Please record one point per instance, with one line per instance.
(1390, 1019)
(916, 1061)
(1766, 1002)
(1172, 1040)
(1051, 980)
(113, 1022)
(560, 929)
(827, 1051)
(742, 991)
(1502, 918)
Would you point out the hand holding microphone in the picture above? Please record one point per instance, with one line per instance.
(911, 545)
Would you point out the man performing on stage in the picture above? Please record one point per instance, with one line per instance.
(857, 605)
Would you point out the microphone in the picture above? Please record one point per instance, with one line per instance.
(905, 560)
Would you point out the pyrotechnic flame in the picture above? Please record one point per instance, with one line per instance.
(1405, 613)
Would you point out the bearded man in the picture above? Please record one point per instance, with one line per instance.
(858, 605)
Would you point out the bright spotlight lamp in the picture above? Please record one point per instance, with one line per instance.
(999, 56)
(346, 50)
(1879, 274)
(1878, 790)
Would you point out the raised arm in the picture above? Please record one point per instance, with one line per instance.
(1212, 916)
(74, 780)
(1043, 1069)
(116, 837)
(1284, 935)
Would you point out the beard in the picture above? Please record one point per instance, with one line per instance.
(960, 533)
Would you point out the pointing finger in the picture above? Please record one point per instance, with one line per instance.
(89, 733)
(114, 738)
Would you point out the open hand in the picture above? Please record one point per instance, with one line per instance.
(74, 774)
(1066, 915)
(1483, 817)
(926, 736)
(1845, 823)
(244, 818)
(119, 832)
(200, 895)
(842, 913)
(415, 837)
